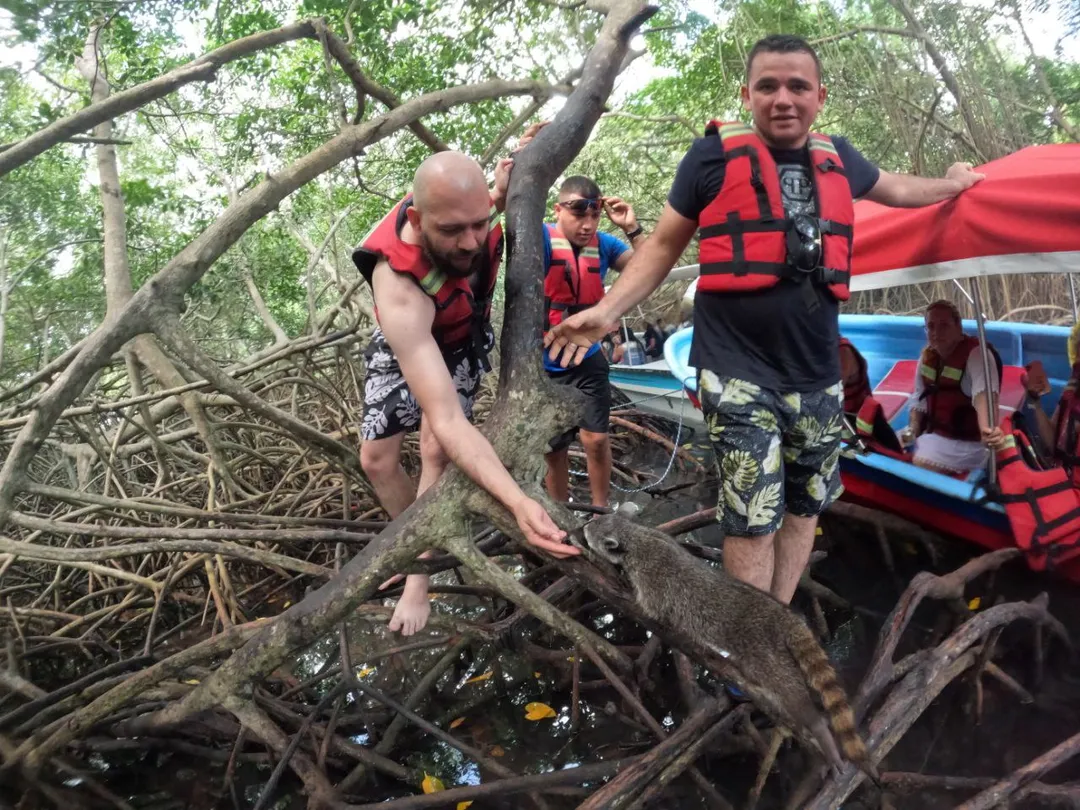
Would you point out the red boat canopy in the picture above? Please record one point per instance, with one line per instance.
(1023, 218)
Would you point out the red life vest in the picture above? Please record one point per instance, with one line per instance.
(461, 315)
(1067, 428)
(747, 239)
(573, 282)
(1043, 506)
(856, 391)
(949, 411)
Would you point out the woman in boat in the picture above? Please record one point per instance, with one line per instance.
(1060, 433)
(949, 405)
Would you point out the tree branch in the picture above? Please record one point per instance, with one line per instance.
(203, 69)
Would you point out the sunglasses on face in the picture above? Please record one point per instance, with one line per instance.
(582, 206)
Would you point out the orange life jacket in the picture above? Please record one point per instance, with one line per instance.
(1067, 428)
(747, 239)
(1043, 506)
(949, 411)
(573, 282)
(856, 391)
(461, 313)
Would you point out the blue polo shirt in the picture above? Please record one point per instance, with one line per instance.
(610, 250)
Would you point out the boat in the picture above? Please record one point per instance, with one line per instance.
(650, 386)
(1020, 219)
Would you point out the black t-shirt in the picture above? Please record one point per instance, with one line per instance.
(785, 337)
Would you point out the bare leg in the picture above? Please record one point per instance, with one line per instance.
(598, 462)
(381, 460)
(793, 544)
(557, 481)
(750, 559)
(414, 607)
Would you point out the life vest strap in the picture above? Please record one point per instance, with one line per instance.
(822, 275)
(760, 190)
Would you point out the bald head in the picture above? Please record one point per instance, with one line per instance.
(447, 178)
(450, 211)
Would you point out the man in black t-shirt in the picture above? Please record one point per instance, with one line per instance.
(769, 373)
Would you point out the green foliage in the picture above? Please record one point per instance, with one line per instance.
(189, 153)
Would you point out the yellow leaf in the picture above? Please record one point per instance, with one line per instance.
(432, 784)
(974, 603)
(463, 805)
(497, 751)
(570, 659)
(818, 532)
(456, 723)
(538, 711)
(536, 674)
(483, 677)
(363, 673)
(193, 681)
(287, 604)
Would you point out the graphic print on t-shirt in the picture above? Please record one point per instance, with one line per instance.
(797, 188)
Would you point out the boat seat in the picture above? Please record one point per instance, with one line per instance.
(1012, 393)
(896, 387)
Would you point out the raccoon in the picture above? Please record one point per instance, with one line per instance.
(772, 653)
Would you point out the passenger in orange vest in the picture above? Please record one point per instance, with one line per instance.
(432, 263)
(1059, 433)
(948, 406)
(772, 205)
(854, 377)
(577, 256)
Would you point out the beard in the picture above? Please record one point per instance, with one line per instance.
(445, 263)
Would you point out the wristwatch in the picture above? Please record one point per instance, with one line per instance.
(635, 233)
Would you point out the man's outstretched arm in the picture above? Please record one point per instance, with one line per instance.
(646, 271)
(406, 315)
(911, 191)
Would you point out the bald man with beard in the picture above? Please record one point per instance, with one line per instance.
(432, 263)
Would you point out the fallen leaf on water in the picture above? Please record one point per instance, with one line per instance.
(287, 604)
(432, 784)
(536, 674)
(463, 805)
(497, 751)
(538, 711)
(974, 603)
(483, 677)
(456, 723)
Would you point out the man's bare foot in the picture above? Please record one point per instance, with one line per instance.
(413, 608)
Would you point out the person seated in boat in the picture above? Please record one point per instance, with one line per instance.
(949, 405)
(854, 375)
(1059, 435)
(654, 339)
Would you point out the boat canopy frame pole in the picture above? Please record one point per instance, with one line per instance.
(1072, 297)
(984, 352)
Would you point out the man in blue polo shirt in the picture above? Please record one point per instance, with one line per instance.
(577, 257)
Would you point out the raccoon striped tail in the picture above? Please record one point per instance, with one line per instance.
(822, 680)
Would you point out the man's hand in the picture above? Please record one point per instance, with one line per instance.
(994, 438)
(528, 135)
(573, 337)
(540, 530)
(620, 213)
(963, 174)
(503, 167)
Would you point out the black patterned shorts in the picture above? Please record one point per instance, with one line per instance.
(389, 406)
(775, 452)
